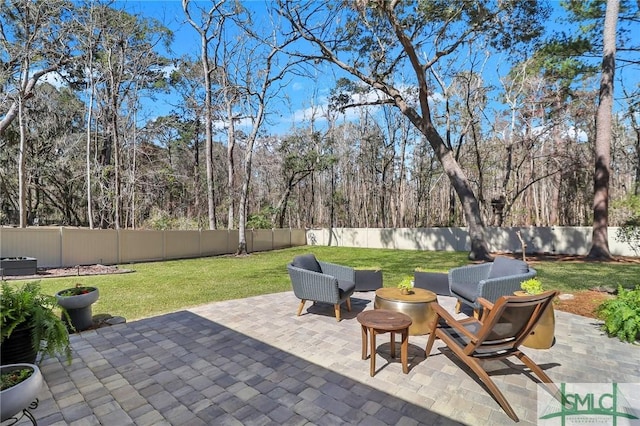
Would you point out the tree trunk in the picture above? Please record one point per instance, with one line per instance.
(231, 143)
(88, 146)
(600, 237)
(22, 159)
(208, 135)
(242, 209)
(206, 69)
(470, 206)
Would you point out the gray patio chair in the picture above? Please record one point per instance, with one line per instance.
(488, 280)
(321, 282)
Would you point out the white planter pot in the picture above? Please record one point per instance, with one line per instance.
(19, 397)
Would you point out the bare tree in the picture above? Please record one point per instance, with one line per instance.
(209, 28)
(30, 35)
(365, 47)
(261, 83)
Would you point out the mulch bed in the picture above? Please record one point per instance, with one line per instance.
(533, 258)
(584, 303)
(75, 271)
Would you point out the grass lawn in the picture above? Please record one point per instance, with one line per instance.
(160, 287)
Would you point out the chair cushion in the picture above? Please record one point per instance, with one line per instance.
(468, 291)
(504, 267)
(308, 262)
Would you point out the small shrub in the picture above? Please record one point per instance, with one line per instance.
(15, 377)
(406, 283)
(161, 220)
(629, 233)
(76, 291)
(532, 286)
(622, 315)
(261, 220)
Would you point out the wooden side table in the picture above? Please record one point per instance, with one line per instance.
(379, 321)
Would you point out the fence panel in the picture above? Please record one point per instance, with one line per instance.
(262, 240)
(298, 238)
(139, 246)
(232, 241)
(89, 246)
(181, 244)
(214, 242)
(42, 243)
(282, 238)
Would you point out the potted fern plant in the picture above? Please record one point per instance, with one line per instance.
(29, 324)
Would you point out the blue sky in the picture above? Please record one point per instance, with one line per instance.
(302, 95)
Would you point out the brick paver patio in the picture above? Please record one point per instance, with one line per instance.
(254, 362)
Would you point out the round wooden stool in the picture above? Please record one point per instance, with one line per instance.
(379, 321)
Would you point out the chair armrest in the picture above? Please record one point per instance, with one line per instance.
(486, 308)
(343, 273)
(310, 285)
(485, 303)
(469, 273)
(464, 276)
(492, 289)
(449, 319)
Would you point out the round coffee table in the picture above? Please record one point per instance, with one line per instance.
(379, 321)
(415, 305)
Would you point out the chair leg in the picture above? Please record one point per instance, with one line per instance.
(336, 308)
(301, 306)
(392, 347)
(533, 367)
(365, 341)
(484, 377)
(432, 336)
(372, 351)
(458, 306)
(349, 303)
(404, 351)
(551, 387)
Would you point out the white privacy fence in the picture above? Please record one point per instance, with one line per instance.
(61, 246)
(554, 240)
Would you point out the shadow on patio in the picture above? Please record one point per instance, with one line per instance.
(253, 361)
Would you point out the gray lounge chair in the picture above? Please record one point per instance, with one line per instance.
(321, 282)
(488, 280)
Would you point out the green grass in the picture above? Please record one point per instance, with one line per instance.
(159, 287)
